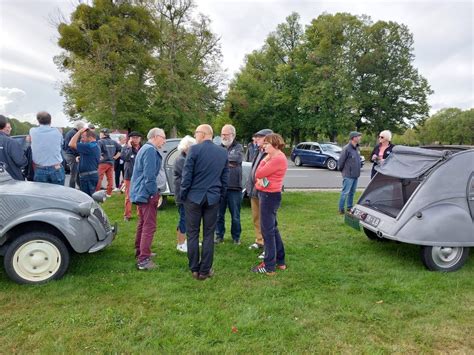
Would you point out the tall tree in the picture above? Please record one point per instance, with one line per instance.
(108, 56)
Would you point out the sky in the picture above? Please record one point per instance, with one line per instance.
(443, 34)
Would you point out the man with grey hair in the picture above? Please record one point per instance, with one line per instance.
(233, 195)
(144, 193)
(71, 154)
(203, 185)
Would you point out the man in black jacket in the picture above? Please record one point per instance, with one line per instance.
(110, 151)
(233, 195)
(11, 152)
(349, 165)
(203, 185)
(128, 155)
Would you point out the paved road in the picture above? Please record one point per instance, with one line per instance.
(304, 177)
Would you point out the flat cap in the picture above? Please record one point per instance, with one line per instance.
(263, 132)
(354, 134)
(134, 134)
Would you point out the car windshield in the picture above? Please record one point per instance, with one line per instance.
(331, 148)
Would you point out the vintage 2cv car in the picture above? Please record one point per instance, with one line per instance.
(41, 225)
(422, 197)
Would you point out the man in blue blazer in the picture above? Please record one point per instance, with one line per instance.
(203, 185)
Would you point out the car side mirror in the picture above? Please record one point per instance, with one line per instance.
(99, 196)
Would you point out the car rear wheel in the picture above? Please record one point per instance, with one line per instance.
(444, 258)
(35, 258)
(331, 164)
(298, 161)
(370, 234)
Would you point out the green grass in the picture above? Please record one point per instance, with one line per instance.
(341, 293)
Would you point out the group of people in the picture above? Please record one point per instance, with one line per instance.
(349, 164)
(208, 181)
(207, 177)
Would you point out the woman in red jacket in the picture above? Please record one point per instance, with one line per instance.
(269, 181)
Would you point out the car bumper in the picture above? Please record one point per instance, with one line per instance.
(108, 240)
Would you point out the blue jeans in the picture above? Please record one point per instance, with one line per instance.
(233, 200)
(274, 248)
(88, 183)
(182, 219)
(50, 174)
(349, 186)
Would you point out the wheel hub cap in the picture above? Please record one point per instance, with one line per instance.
(37, 260)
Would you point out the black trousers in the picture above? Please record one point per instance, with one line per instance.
(194, 214)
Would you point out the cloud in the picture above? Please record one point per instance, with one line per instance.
(10, 99)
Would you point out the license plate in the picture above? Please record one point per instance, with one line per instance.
(367, 218)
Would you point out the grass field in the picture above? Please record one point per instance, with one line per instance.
(341, 293)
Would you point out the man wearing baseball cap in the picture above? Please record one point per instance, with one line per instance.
(349, 165)
(252, 192)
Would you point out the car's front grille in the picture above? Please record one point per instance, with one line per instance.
(101, 217)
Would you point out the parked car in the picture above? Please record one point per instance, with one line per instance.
(423, 197)
(325, 155)
(42, 224)
(170, 153)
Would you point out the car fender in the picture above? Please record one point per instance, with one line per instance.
(443, 224)
(76, 229)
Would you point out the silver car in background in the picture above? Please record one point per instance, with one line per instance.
(42, 224)
(423, 197)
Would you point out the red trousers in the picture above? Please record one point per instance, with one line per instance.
(108, 170)
(128, 204)
(146, 228)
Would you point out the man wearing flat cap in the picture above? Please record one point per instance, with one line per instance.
(252, 192)
(128, 154)
(349, 165)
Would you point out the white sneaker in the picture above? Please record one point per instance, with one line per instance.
(108, 196)
(116, 190)
(183, 248)
(254, 246)
(262, 256)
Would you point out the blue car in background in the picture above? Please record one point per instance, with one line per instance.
(325, 155)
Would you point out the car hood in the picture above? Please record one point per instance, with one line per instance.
(43, 191)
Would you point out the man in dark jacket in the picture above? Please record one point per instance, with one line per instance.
(203, 185)
(128, 155)
(70, 154)
(110, 151)
(11, 152)
(144, 193)
(233, 195)
(252, 192)
(349, 165)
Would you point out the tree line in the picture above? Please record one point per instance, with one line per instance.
(141, 63)
(343, 72)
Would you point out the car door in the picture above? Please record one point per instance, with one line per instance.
(317, 155)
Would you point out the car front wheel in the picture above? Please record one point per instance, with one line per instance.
(331, 164)
(35, 258)
(297, 161)
(444, 258)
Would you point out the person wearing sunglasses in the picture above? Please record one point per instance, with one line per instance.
(381, 151)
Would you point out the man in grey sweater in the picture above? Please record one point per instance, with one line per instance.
(349, 165)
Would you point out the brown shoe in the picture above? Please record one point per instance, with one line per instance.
(202, 277)
(195, 275)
